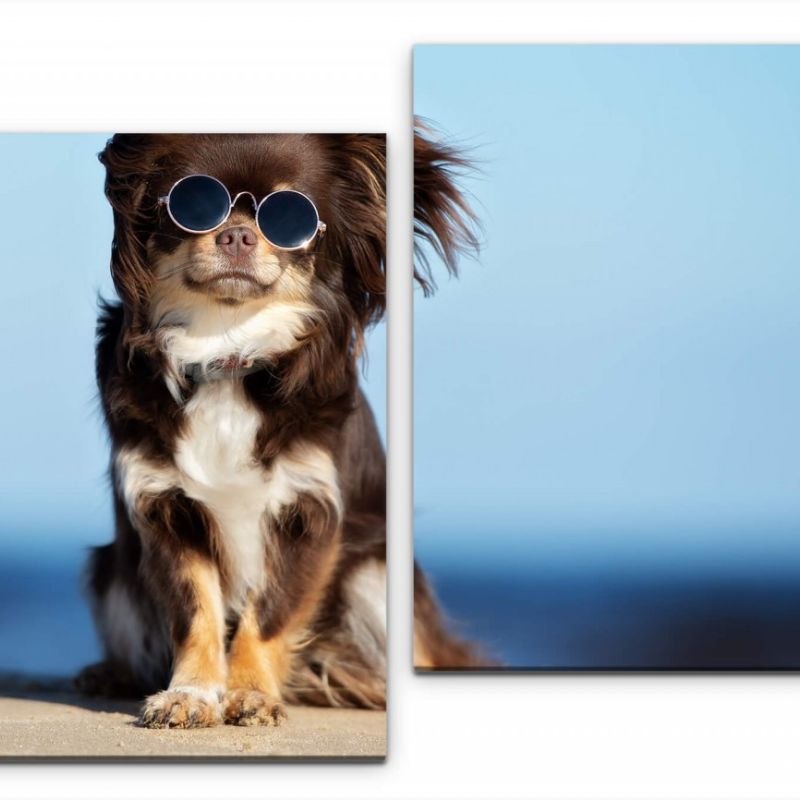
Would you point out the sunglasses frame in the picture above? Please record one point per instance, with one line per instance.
(319, 231)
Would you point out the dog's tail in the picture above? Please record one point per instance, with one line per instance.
(333, 681)
(435, 647)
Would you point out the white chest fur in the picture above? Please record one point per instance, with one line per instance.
(214, 463)
(216, 466)
(200, 335)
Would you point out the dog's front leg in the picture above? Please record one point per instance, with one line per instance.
(275, 622)
(185, 582)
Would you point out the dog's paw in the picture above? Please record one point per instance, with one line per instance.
(249, 707)
(181, 708)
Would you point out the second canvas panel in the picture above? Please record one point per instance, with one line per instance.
(607, 357)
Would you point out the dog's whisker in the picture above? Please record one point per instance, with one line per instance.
(173, 271)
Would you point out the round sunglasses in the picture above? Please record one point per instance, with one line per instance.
(287, 219)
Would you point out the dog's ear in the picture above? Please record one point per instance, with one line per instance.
(360, 245)
(131, 160)
(443, 219)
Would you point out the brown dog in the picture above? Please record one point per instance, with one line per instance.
(248, 564)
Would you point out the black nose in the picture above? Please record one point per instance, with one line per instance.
(237, 242)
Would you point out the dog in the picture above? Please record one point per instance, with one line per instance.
(247, 569)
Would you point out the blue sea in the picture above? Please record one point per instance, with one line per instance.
(634, 599)
(45, 623)
(573, 599)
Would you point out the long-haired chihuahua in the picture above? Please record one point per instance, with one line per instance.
(248, 562)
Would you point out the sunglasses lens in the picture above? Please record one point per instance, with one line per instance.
(288, 219)
(199, 203)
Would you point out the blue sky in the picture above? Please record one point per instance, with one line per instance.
(57, 238)
(626, 351)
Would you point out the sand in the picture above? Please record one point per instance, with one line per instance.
(47, 720)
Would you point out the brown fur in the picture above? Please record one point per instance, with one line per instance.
(199, 658)
(258, 670)
(443, 218)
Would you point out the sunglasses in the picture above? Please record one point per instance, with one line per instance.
(287, 219)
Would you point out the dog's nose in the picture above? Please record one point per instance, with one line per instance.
(237, 242)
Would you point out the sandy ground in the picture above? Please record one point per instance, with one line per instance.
(47, 720)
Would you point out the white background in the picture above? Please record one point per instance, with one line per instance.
(327, 66)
